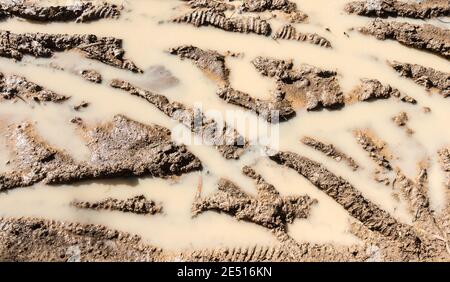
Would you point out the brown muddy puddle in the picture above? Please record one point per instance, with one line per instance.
(146, 38)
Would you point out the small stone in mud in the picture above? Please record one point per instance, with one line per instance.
(14, 87)
(426, 110)
(330, 150)
(138, 205)
(423, 37)
(107, 50)
(400, 119)
(91, 75)
(423, 9)
(267, 209)
(427, 77)
(80, 106)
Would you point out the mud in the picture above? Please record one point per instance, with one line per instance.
(217, 19)
(120, 148)
(401, 119)
(81, 106)
(226, 140)
(392, 8)
(372, 89)
(210, 62)
(107, 50)
(273, 110)
(305, 86)
(385, 237)
(288, 32)
(79, 13)
(444, 159)
(14, 88)
(32, 239)
(375, 147)
(267, 209)
(427, 77)
(138, 205)
(423, 37)
(218, 5)
(91, 75)
(288, 8)
(330, 151)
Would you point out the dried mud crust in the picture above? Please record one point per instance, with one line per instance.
(14, 88)
(393, 8)
(427, 77)
(138, 205)
(386, 238)
(305, 86)
(225, 139)
(217, 19)
(91, 75)
(444, 160)
(210, 62)
(288, 32)
(80, 13)
(31, 239)
(267, 209)
(118, 148)
(372, 89)
(423, 37)
(330, 150)
(107, 50)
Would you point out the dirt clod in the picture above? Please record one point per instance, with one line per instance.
(91, 75)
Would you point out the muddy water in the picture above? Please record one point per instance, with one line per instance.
(353, 57)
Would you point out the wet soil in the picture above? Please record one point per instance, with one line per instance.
(423, 37)
(393, 8)
(107, 50)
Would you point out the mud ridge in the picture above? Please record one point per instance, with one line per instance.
(210, 17)
(274, 110)
(217, 5)
(288, 8)
(423, 37)
(427, 77)
(288, 32)
(305, 86)
(33, 239)
(372, 89)
(107, 50)
(267, 209)
(80, 13)
(227, 141)
(14, 88)
(118, 148)
(210, 62)
(330, 151)
(392, 8)
(138, 205)
(393, 240)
